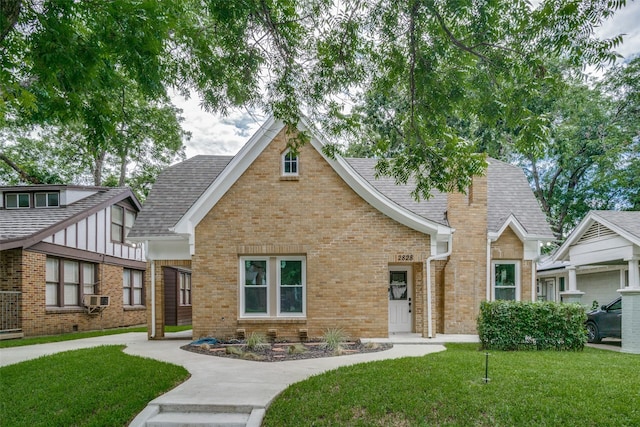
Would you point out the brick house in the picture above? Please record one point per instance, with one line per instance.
(65, 262)
(291, 245)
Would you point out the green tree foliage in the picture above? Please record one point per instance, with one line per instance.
(591, 158)
(414, 72)
(440, 79)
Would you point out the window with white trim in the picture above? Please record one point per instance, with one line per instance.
(273, 286)
(17, 200)
(132, 293)
(47, 200)
(289, 164)
(67, 281)
(506, 280)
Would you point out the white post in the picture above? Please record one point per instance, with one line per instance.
(634, 273)
(631, 310)
(572, 295)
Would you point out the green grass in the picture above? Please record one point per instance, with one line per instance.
(99, 386)
(587, 388)
(79, 335)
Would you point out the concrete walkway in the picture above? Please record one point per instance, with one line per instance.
(220, 384)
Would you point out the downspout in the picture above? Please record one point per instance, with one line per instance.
(488, 269)
(428, 279)
(153, 299)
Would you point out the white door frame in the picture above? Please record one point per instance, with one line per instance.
(401, 311)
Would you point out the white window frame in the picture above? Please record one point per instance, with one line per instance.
(303, 260)
(46, 200)
(292, 161)
(243, 285)
(17, 201)
(272, 286)
(517, 283)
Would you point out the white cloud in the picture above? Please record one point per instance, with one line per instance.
(626, 21)
(213, 133)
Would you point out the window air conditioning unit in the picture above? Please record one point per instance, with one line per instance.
(96, 303)
(96, 300)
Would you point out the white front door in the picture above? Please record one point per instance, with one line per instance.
(400, 303)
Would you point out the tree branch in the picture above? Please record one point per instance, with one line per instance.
(453, 39)
(24, 175)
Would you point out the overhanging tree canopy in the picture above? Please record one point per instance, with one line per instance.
(412, 70)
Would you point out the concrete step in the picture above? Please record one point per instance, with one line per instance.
(194, 415)
(197, 419)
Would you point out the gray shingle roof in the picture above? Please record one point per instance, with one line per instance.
(173, 193)
(433, 209)
(22, 224)
(506, 185)
(179, 186)
(628, 221)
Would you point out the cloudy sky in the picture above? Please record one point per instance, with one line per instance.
(214, 134)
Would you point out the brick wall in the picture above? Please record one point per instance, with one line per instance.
(509, 247)
(37, 319)
(465, 272)
(10, 269)
(347, 243)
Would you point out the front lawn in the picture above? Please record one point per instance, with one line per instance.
(80, 335)
(98, 386)
(586, 388)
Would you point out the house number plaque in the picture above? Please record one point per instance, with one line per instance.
(404, 257)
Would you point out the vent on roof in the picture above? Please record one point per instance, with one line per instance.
(595, 232)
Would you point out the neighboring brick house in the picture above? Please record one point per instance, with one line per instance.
(293, 245)
(60, 245)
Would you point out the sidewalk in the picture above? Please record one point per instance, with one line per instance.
(216, 382)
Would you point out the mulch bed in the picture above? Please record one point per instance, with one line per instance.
(282, 351)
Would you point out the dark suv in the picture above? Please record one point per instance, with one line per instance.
(605, 322)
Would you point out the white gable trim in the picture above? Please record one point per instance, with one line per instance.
(519, 229)
(254, 147)
(234, 170)
(531, 242)
(592, 217)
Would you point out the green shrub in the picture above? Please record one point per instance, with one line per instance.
(511, 325)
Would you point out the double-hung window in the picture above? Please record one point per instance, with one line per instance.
(132, 287)
(121, 222)
(255, 286)
(506, 280)
(273, 286)
(67, 281)
(184, 280)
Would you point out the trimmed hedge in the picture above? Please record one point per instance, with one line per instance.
(511, 325)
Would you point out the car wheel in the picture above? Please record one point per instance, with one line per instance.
(592, 333)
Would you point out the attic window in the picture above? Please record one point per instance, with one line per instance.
(47, 200)
(289, 164)
(17, 200)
